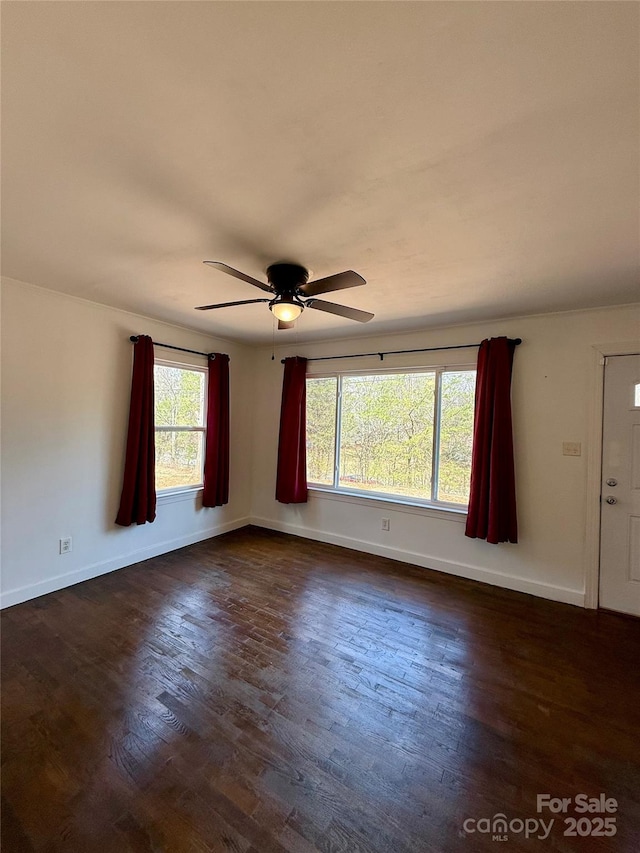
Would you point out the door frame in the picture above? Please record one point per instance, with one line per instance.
(594, 463)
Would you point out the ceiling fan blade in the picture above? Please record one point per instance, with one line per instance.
(237, 274)
(286, 324)
(339, 281)
(340, 310)
(229, 304)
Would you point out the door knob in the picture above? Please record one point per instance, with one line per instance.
(611, 500)
(611, 482)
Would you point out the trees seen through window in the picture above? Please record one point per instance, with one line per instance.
(404, 434)
(180, 425)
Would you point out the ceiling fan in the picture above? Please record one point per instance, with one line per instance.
(290, 292)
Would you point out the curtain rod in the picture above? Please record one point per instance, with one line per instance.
(211, 355)
(381, 355)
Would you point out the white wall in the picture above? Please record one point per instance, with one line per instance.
(66, 371)
(66, 367)
(552, 387)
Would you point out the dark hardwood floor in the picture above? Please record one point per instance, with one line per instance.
(261, 693)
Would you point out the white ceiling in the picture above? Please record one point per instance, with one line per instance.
(470, 160)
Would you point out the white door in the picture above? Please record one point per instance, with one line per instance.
(620, 488)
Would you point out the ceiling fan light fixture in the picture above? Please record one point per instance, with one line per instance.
(290, 292)
(286, 309)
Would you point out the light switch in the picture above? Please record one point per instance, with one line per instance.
(571, 448)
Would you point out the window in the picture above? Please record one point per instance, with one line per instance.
(180, 425)
(404, 435)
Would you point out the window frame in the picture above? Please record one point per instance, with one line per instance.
(386, 497)
(187, 491)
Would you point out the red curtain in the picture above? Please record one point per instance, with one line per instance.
(492, 502)
(291, 483)
(138, 500)
(216, 457)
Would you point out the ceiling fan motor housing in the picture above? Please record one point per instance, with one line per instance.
(287, 278)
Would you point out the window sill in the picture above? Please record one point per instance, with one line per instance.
(171, 497)
(444, 513)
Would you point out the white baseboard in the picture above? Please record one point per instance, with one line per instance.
(26, 593)
(542, 590)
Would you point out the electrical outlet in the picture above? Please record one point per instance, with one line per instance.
(66, 545)
(386, 524)
(571, 448)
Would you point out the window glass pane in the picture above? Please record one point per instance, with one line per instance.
(637, 395)
(456, 435)
(178, 459)
(321, 430)
(387, 433)
(179, 396)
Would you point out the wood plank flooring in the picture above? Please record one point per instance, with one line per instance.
(259, 693)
